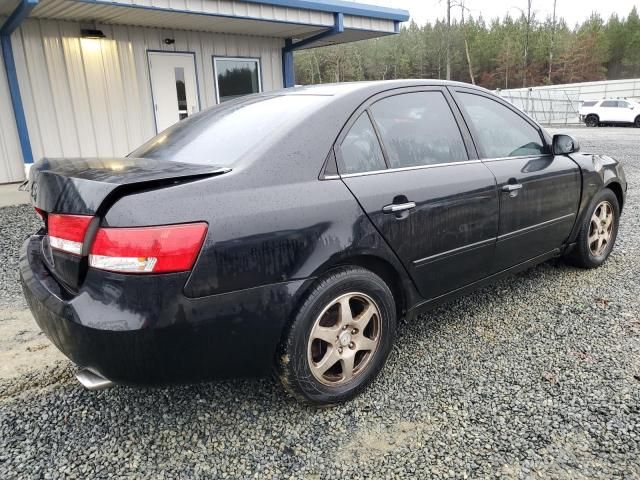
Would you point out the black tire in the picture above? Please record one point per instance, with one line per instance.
(582, 254)
(297, 353)
(592, 121)
(637, 122)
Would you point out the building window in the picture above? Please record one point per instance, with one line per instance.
(183, 111)
(236, 77)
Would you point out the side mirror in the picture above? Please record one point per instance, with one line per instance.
(564, 144)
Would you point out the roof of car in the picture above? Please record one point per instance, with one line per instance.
(333, 89)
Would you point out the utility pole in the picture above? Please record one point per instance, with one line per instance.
(525, 57)
(466, 43)
(448, 39)
(551, 43)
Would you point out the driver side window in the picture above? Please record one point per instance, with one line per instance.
(499, 131)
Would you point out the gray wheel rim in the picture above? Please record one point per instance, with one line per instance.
(601, 229)
(344, 339)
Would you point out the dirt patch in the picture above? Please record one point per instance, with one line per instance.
(371, 443)
(23, 347)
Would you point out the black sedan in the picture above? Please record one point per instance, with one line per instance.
(289, 231)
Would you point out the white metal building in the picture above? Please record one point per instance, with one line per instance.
(100, 77)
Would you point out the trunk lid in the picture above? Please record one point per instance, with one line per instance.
(89, 187)
(80, 186)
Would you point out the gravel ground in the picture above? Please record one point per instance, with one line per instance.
(537, 376)
(16, 224)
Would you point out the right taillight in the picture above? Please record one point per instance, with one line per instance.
(158, 249)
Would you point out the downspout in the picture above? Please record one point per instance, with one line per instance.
(288, 71)
(10, 25)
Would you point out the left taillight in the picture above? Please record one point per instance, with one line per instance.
(67, 232)
(158, 249)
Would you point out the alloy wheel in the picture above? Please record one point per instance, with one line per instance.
(601, 229)
(344, 339)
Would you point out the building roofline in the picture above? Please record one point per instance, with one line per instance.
(341, 6)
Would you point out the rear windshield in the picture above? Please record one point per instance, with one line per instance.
(588, 104)
(223, 134)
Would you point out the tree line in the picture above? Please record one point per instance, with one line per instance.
(511, 52)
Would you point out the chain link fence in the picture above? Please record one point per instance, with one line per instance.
(559, 104)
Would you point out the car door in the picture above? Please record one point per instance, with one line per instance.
(609, 111)
(626, 112)
(539, 192)
(407, 162)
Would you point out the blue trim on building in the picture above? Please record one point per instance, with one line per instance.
(17, 17)
(10, 25)
(288, 71)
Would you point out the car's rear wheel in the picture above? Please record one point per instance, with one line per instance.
(340, 337)
(637, 122)
(598, 232)
(592, 121)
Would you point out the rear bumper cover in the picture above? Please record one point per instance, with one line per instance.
(143, 330)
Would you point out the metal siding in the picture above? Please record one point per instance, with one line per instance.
(368, 23)
(206, 15)
(11, 164)
(93, 97)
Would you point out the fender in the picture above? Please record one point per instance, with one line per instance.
(598, 172)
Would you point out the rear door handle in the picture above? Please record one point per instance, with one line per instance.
(512, 189)
(398, 207)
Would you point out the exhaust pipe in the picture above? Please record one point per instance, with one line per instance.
(93, 381)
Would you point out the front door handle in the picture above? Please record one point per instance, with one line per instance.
(398, 207)
(512, 189)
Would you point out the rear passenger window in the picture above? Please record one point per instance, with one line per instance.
(360, 150)
(610, 104)
(418, 129)
(500, 131)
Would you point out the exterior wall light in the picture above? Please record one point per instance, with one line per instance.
(92, 33)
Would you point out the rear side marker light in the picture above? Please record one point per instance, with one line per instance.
(66, 232)
(162, 249)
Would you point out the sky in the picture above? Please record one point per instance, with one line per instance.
(572, 11)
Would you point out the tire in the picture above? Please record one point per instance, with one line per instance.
(304, 356)
(591, 250)
(592, 121)
(636, 123)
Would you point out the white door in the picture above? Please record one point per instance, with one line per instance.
(173, 86)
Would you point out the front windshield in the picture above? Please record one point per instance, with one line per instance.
(222, 135)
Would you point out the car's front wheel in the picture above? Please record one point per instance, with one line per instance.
(598, 231)
(592, 121)
(637, 122)
(340, 337)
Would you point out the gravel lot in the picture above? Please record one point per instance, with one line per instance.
(537, 376)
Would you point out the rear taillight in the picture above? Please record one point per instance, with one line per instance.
(66, 232)
(169, 248)
(41, 213)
